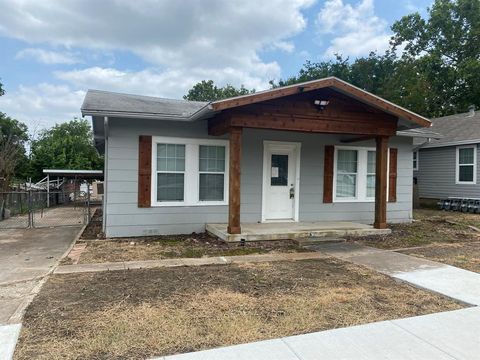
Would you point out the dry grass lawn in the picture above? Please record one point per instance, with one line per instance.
(462, 255)
(175, 246)
(137, 314)
(430, 226)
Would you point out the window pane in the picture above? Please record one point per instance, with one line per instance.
(279, 170)
(371, 162)
(370, 186)
(465, 173)
(170, 157)
(211, 187)
(347, 161)
(465, 156)
(170, 187)
(346, 185)
(212, 158)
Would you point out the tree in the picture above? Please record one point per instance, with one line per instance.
(437, 71)
(13, 137)
(446, 50)
(206, 90)
(2, 91)
(65, 146)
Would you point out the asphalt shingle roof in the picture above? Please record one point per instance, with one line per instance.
(106, 101)
(455, 128)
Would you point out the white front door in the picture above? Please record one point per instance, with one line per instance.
(280, 181)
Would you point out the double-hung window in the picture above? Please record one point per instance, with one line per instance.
(347, 173)
(354, 174)
(415, 160)
(371, 163)
(212, 173)
(466, 167)
(189, 172)
(170, 172)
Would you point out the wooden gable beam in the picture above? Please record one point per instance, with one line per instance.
(332, 82)
(289, 123)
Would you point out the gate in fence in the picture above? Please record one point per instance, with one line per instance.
(36, 209)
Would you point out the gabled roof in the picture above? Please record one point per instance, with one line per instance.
(456, 129)
(330, 82)
(105, 103)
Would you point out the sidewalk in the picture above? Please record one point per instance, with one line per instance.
(449, 335)
(458, 284)
(214, 260)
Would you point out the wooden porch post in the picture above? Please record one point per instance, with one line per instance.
(381, 183)
(234, 181)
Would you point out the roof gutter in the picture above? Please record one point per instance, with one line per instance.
(450, 143)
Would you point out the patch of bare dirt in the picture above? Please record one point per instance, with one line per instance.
(94, 228)
(137, 314)
(463, 255)
(430, 226)
(177, 246)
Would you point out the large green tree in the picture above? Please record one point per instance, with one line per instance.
(13, 138)
(65, 146)
(446, 49)
(432, 68)
(13, 159)
(206, 90)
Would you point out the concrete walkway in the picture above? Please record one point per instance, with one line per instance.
(458, 284)
(449, 335)
(214, 260)
(26, 257)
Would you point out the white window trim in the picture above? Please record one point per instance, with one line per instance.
(362, 161)
(192, 174)
(416, 160)
(457, 165)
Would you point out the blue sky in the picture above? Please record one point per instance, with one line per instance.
(53, 51)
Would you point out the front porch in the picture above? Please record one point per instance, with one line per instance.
(293, 230)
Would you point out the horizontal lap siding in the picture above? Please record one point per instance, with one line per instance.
(312, 207)
(436, 174)
(126, 219)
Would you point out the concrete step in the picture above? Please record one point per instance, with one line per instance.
(312, 240)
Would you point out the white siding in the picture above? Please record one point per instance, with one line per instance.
(124, 218)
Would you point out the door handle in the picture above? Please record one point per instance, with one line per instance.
(292, 193)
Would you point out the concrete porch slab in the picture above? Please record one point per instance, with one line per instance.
(294, 230)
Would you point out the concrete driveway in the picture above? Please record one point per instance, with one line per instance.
(26, 255)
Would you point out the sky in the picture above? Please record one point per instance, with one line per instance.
(52, 52)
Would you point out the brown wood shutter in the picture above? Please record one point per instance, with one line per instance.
(392, 181)
(144, 170)
(328, 174)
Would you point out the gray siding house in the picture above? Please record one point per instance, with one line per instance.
(308, 153)
(449, 166)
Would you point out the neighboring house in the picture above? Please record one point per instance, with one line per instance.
(448, 167)
(323, 150)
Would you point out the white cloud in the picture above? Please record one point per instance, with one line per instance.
(46, 56)
(210, 34)
(183, 42)
(355, 28)
(171, 83)
(42, 105)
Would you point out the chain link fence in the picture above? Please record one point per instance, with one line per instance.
(29, 209)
